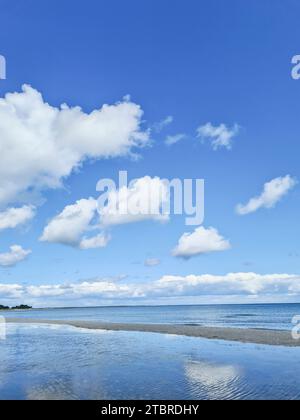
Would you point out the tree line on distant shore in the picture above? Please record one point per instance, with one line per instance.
(6, 308)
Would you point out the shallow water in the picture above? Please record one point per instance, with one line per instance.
(240, 316)
(58, 362)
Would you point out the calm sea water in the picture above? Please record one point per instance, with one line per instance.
(62, 362)
(245, 316)
(44, 362)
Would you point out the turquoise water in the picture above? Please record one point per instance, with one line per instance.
(47, 362)
(245, 316)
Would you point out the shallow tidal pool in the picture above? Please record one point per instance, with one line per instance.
(40, 362)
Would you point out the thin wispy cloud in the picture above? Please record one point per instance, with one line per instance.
(220, 136)
(171, 140)
(161, 125)
(152, 262)
(273, 192)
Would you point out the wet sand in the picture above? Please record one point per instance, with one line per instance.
(254, 336)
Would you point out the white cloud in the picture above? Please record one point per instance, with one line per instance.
(160, 126)
(152, 262)
(99, 241)
(201, 241)
(272, 193)
(238, 285)
(13, 291)
(71, 224)
(14, 217)
(14, 256)
(142, 200)
(171, 140)
(230, 284)
(41, 144)
(220, 136)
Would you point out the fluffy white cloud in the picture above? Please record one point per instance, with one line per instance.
(14, 256)
(171, 140)
(272, 193)
(220, 136)
(142, 200)
(230, 284)
(99, 241)
(238, 285)
(71, 224)
(13, 291)
(201, 241)
(41, 144)
(99, 288)
(14, 217)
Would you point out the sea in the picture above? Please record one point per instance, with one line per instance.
(57, 362)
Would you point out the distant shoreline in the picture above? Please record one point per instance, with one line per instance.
(162, 306)
(250, 336)
(16, 308)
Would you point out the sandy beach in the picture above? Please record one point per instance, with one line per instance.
(254, 336)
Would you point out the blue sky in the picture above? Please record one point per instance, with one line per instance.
(200, 62)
